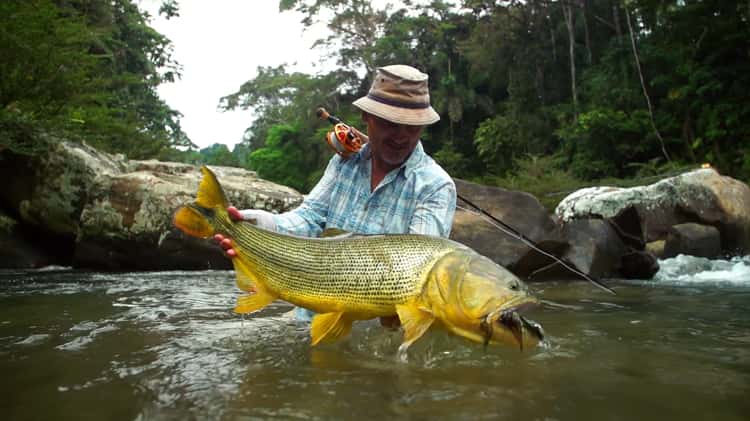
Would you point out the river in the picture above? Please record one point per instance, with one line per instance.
(166, 345)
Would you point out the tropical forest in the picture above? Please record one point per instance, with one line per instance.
(539, 95)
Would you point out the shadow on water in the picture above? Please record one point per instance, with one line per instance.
(167, 345)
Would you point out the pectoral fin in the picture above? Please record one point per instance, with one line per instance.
(415, 322)
(253, 302)
(246, 281)
(329, 327)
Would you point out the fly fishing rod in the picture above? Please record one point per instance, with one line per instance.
(346, 140)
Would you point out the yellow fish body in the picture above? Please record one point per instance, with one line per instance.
(424, 280)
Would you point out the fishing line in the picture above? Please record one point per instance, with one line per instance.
(346, 140)
(513, 233)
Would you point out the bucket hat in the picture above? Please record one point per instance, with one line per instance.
(399, 94)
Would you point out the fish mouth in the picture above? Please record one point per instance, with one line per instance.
(522, 328)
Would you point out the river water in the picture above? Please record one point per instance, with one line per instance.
(166, 345)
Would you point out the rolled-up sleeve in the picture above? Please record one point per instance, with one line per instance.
(434, 212)
(309, 219)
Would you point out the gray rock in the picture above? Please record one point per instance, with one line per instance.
(105, 212)
(701, 196)
(595, 247)
(693, 239)
(519, 210)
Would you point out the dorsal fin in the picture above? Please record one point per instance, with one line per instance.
(334, 232)
(210, 194)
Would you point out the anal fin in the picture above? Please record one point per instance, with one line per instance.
(329, 327)
(245, 281)
(253, 302)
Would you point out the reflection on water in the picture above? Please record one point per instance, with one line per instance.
(167, 345)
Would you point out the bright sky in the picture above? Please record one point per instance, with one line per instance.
(220, 44)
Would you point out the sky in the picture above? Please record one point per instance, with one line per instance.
(220, 44)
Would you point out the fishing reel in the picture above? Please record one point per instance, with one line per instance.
(344, 139)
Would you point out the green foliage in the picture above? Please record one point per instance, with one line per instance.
(452, 161)
(502, 140)
(500, 76)
(603, 141)
(278, 160)
(541, 176)
(85, 70)
(219, 154)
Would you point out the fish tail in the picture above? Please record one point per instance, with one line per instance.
(210, 193)
(192, 219)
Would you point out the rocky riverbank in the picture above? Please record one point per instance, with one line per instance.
(79, 207)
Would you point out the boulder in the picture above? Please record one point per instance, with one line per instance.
(702, 196)
(605, 248)
(48, 192)
(693, 239)
(638, 264)
(93, 210)
(127, 221)
(610, 248)
(16, 249)
(595, 247)
(521, 212)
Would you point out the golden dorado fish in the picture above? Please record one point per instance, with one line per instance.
(424, 280)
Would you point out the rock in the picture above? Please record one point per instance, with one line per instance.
(521, 211)
(638, 264)
(127, 222)
(100, 211)
(701, 196)
(596, 249)
(656, 248)
(693, 239)
(52, 191)
(15, 251)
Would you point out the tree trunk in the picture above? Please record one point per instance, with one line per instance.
(616, 20)
(568, 14)
(584, 9)
(554, 44)
(540, 82)
(688, 135)
(643, 86)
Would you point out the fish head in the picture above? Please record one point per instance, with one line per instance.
(477, 299)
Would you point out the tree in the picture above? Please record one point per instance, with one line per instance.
(85, 70)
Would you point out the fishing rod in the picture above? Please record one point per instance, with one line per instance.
(346, 140)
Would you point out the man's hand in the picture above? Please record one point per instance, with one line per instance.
(226, 244)
(257, 217)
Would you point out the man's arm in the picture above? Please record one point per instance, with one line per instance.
(309, 219)
(434, 212)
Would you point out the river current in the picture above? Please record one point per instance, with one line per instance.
(166, 345)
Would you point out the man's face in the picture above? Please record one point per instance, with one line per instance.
(391, 143)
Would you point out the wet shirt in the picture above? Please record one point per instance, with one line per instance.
(418, 197)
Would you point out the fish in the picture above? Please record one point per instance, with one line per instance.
(423, 280)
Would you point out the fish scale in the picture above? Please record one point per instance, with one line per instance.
(370, 273)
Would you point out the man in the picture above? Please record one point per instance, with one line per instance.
(390, 186)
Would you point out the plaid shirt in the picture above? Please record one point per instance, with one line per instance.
(417, 197)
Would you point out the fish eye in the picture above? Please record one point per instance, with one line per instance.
(514, 285)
